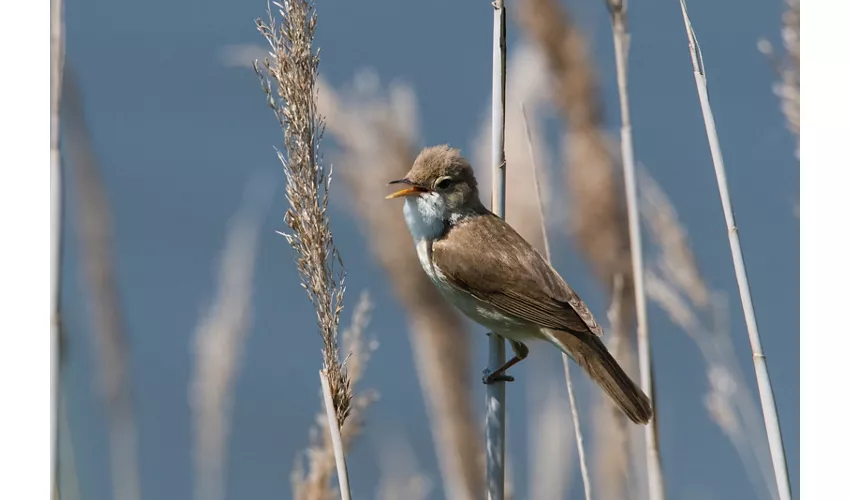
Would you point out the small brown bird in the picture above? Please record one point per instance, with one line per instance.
(488, 271)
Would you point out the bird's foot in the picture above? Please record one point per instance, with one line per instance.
(493, 377)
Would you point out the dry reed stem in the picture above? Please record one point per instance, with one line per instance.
(612, 438)
(312, 481)
(57, 63)
(598, 219)
(526, 70)
(550, 443)
(768, 404)
(510, 476)
(292, 71)
(655, 479)
(585, 474)
(495, 403)
(676, 285)
(378, 137)
(219, 341)
(332, 421)
(94, 226)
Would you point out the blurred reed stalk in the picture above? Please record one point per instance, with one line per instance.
(598, 221)
(791, 76)
(400, 477)
(528, 93)
(549, 439)
(94, 226)
(313, 482)
(789, 88)
(219, 342)
(617, 10)
(378, 138)
(771, 418)
(57, 63)
(68, 487)
(293, 70)
(585, 474)
(524, 100)
(788, 67)
(674, 282)
(494, 421)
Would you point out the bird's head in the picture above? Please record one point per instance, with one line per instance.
(440, 176)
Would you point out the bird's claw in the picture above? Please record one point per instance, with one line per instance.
(490, 378)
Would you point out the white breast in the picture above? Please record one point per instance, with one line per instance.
(425, 215)
(425, 219)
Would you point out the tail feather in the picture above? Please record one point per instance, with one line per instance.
(588, 351)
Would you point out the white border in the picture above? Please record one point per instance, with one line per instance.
(824, 251)
(24, 270)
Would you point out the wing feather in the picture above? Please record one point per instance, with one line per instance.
(510, 275)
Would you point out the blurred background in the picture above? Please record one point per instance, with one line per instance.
(185, 144)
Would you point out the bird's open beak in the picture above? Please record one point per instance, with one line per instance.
(412, 190)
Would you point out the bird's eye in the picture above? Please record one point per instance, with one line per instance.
(443, 183)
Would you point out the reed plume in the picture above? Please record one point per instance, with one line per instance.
(598, 221)
(289, 82)
(312, 473)
(789, 88)
(378, 135)
(787, 67)
(400, 477)
(674, 282)
(219, 342)
(110, 337)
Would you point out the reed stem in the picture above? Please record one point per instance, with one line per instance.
(57, 62)
(582, 458)
(495, 412)
(768, 405)
(336, 437)
(617, 9)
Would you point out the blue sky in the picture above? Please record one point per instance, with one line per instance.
(179, 133)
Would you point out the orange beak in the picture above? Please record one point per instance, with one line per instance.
(413, 190)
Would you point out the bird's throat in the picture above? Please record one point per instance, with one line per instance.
(425, 216)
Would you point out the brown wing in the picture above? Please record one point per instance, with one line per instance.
(509, 274)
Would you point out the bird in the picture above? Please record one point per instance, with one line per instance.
(484, 268)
